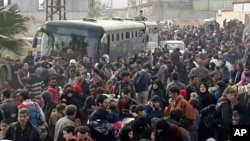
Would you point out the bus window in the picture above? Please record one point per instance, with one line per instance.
(136, 34)
(132, 34)
(113, 37)
(127, 35)
(117, 37)
(122, 36)
(102, 48)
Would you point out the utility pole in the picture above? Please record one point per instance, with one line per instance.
(162, 8)
(92, 11)
(55, 7)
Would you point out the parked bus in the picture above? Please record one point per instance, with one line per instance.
(75, 39)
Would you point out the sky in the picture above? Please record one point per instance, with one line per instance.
(117, 3)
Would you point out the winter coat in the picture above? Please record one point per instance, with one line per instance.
(16, 133)
(49, 105)
(102, 130)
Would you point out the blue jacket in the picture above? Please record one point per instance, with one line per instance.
(35, 112)
(142, 81)
(153, 113)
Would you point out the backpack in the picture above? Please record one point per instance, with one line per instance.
(2, 115)
(139, 81)
(210, 114)
(42, 126)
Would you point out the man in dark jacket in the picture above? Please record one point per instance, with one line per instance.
(49, 105)
(29, 58)
(22, 130)
(125, 82)
(89, 105)
(192, 87)
(153, 109)
(43, 73)
(142, 82)
(8, 108)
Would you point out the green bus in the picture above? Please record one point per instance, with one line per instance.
(74, 39)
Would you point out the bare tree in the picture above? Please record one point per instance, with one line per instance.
(96, 8)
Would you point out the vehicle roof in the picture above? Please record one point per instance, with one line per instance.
(173, 41)
(106, 25)
(149, 24)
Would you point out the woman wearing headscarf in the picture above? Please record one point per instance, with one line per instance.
(206, 99)
(157, 89)
(125, 134)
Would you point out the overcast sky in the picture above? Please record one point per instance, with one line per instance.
(117, 3)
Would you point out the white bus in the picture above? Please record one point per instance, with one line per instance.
(74, 39)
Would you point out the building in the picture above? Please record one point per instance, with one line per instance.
(116, 4)
(240, 10)
(177, 9)
(241, 5)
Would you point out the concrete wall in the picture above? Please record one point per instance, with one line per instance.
(230, 15)
(180, 14)
(188, 14)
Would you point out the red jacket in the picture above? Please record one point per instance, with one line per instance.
(54, 94)
(77, 88)
(173, 133)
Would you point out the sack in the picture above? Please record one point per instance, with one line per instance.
(139, 81)
(43, 129)
(236, 117)
(166, 76)
(209, 114)
(201, 72)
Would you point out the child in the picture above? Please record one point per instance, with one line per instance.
(4, 125)
(113, 117)
(139, 125)
(194, 132)
(194, 95)
(130, 117)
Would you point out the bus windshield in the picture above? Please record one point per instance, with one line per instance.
(69, 42)
(172, 46)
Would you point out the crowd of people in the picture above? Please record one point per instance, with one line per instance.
(155, 96)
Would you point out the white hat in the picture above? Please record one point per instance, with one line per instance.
(210, 139)
(106, 57)
(73, 61)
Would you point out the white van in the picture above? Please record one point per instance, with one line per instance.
(173, 44)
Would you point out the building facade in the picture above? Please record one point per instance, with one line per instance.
(177, 9)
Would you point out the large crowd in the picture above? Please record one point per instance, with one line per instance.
(153, 96)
